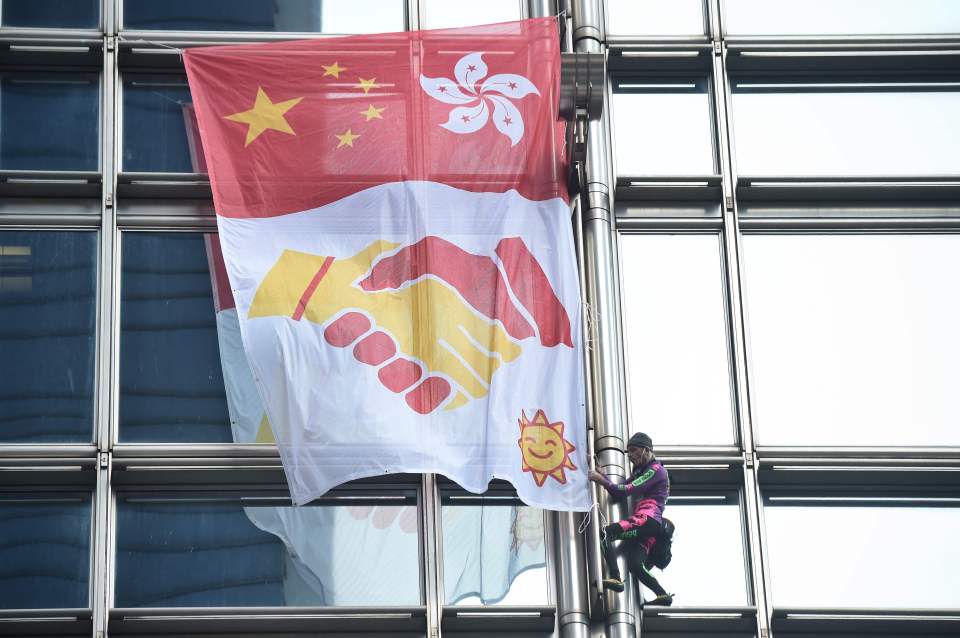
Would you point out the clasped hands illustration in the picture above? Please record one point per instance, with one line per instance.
(434, 320)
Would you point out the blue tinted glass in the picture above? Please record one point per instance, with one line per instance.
(45, 554)
(319, 16)
(219, 553)
(49, 122)
(154, 126)
(67, 14)
(47, 309)
(171, 385)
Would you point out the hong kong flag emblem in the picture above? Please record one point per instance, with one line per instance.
(395, 228)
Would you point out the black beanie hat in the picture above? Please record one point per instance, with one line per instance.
(639, 439)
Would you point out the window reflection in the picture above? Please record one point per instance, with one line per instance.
(47, 310)
(45, 553)
(840, 17)
(70, 14)
(853, 338)
(156, 113)
(662, 128)
(837, 128)
(676, 338)
(171, 384)
(317, 16)
(709, 566)
(493, 554)
(228, 553)
(49, 122)
(655, 17)
(852, 568)
(445, 14)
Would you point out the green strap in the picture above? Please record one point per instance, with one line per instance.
(643, 478)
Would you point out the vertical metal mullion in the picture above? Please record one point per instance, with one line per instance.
(415, 14)
(106, 326)
(431, 544)
(739, 337)
(108, 16)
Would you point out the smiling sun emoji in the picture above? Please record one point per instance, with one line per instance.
(545, 452)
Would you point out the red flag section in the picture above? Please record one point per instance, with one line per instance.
(283, 133)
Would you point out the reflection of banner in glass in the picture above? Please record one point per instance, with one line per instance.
(486, 547)
(343, 555)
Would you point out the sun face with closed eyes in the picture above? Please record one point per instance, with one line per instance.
(544, 450)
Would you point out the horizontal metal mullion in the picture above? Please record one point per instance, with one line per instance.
(37, 453)
(11, 221)
(851, 224)
(203, 223)
(666, 224)
(855, 454)
(226, 453)
(267, 620)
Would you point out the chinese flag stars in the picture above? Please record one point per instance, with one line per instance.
(265, 115)
(268, 115)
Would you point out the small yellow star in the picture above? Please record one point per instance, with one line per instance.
(373, 112)
(265, 115)
(366, 85)
(346, 139)
(333, 70)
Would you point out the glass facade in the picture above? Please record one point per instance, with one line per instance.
(773, 228)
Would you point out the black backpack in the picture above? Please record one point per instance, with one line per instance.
(662, 552)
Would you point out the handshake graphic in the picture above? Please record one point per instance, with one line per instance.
(434, 320)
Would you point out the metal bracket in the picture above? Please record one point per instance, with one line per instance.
(105, 460)
(749, 459)
(583, 79)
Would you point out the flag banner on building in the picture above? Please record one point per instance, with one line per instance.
(396, 232)
(485, 547)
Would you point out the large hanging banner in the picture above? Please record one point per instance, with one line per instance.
(394, 221)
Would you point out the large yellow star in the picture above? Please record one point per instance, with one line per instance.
(265, 115)
(373, 112)
(346, 139)
(333, 70)
(366, 85)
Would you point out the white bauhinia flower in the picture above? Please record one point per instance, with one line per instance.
(473, 104)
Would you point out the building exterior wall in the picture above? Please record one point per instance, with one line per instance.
(768, 236)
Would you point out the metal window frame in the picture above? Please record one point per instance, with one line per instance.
(701, 227)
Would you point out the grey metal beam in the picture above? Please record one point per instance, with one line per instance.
(601, 294)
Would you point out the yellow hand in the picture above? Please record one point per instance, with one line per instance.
(428, 320)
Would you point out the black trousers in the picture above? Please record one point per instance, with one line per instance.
(633, 545)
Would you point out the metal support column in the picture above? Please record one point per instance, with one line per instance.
(573, 619)
(608, 415)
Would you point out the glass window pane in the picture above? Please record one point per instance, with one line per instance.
(828, 129)
(662, 128)
(841, 17)
(711, 535)
(47, 312)
(220, 553)
(155, 117)
(853, 338)
(45, 553)
(851, 568)
(69, 14)
(655, 17)
(494, 555)
(444, 14)
(314, 16)
(171, 384)
(676, 338)
(49, 122)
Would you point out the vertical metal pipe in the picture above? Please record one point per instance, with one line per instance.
(573, 620)
(601, 294)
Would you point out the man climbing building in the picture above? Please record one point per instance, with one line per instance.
(649, 485)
